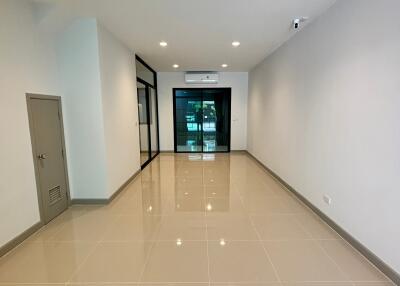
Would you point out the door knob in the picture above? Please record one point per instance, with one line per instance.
(42, 156)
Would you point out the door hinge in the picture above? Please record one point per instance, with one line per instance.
(62, 153)
(59, 117)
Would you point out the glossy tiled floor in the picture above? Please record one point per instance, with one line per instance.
(191, 220)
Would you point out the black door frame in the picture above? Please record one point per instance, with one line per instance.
(229, 93)
(148, 86)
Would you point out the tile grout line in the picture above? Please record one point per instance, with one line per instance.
(145, 262)
(193, 283)
(353, 282)
(51, 240)
(369, 262)
(263, 173)
(206, 223)
(304, 229)
(335, 263)
(267, 254)
(96, 245)
(316, 241)
(57, 231)
(154, 242)
(82, 263)
(34, 283)
(260, 241)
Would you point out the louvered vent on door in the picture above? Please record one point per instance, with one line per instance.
(55, 195)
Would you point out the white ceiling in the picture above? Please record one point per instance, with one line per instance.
(199, 33)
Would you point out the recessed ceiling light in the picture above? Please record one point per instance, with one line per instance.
(224, 65)
(175, 66)
(163, 44)
(236, 44)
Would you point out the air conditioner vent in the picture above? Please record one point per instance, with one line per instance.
(201, 77)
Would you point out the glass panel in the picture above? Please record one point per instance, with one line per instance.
(153, 122)
(143, 124)
(188, 124)
(144, 73)
(216, 120)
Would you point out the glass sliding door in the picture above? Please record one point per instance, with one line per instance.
(216, 120)
(143, 123)
(147, 112)
(188, 121)
(202, 119)
(153, 121)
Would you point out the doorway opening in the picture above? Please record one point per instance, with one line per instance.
(202, 120)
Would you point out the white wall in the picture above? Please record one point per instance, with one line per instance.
(120, 111)
(324, 113)
(78, 55)
(99, 85)
(238, 81)
(27, 65)
(95, 75)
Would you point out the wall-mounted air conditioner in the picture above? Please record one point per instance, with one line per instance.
(201, 77)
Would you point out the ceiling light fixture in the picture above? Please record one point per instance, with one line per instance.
(163, 44)
(224, 65)
(175, 66)
(236, 44)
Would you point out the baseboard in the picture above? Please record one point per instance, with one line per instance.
(120, 189)
(105, 201)
(167, 151)
(368, 254)
(20, 238)
(89, 201)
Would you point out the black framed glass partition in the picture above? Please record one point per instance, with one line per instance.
(147, 111)
(202, 119)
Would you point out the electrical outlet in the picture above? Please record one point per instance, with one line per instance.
(327, 200)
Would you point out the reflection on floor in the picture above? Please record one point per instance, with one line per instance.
(197, 148)
(194, 220)
(144, 156)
